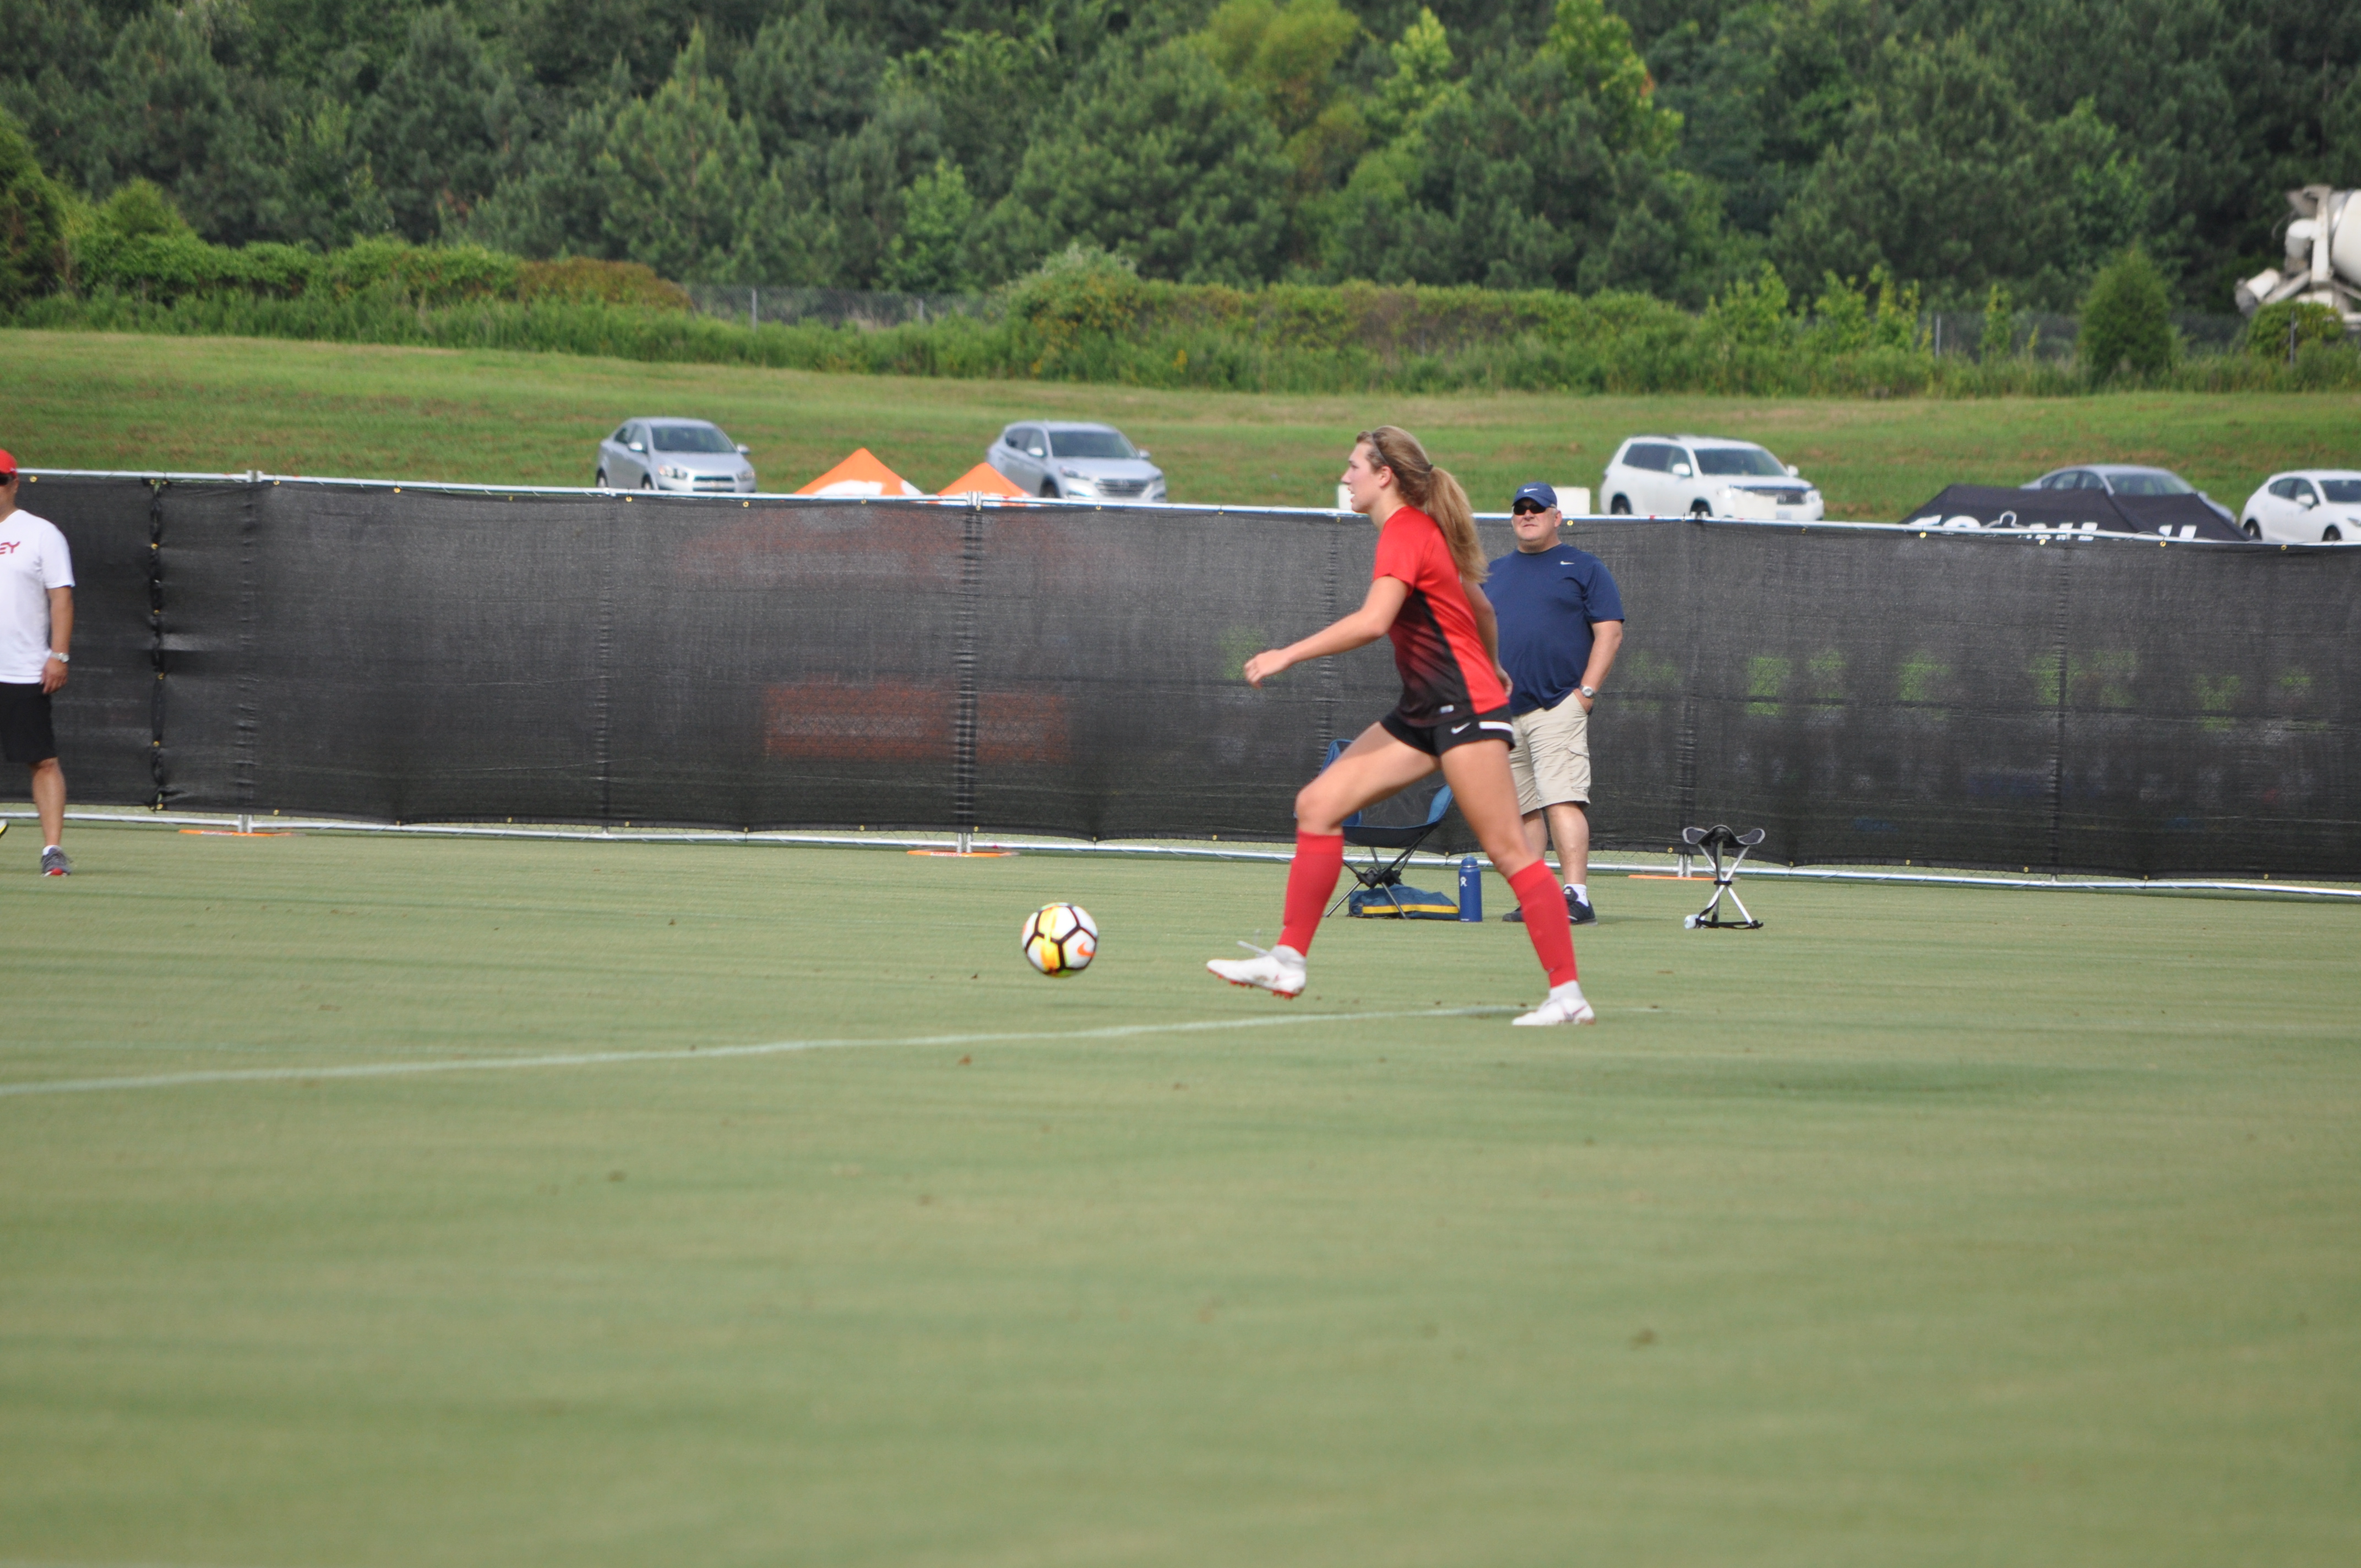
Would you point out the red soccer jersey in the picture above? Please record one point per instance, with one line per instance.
(1444, 671)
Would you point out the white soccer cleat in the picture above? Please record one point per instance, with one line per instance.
(1279, 971)
(1565, 1006)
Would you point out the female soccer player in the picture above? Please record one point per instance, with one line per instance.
(1453, 714)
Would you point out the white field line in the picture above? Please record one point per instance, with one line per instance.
(28, 1562)
(1422, 861)
(705, 1053)
(46, 1562)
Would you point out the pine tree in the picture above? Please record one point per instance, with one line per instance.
(32, 220)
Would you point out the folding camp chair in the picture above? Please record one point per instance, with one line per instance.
(1713, 841)
(1381, 879)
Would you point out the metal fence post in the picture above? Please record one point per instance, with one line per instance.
(963, 728)
(157, 763)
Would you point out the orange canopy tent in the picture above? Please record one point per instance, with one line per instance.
(983, 479)
(860, 474)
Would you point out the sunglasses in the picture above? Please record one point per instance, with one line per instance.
(1526, 509)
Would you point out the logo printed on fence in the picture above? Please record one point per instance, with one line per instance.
(903, 721)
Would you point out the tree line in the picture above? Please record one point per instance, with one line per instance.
(1977, 148)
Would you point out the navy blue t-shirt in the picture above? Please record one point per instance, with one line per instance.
(1546, 603)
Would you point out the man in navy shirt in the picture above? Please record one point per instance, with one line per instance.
(1561, 622)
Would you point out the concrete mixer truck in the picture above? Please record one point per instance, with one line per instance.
(2323, 257)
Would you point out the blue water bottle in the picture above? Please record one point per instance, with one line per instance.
(1471, 888)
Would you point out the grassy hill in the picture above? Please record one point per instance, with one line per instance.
(90, 401)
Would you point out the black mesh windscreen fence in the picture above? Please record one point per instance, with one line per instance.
(1867, 695)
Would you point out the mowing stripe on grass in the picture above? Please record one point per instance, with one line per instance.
(707, 1053)
(26, 1562)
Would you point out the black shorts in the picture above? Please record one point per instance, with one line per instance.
(1437, 738)
(25, 733)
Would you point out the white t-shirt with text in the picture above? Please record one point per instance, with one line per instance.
(33, 560)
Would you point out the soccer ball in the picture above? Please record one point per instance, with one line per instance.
(1060, 939)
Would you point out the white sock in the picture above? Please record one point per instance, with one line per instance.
(1570, 992)
(1580, 890)
(1288, 956)
(47, 847)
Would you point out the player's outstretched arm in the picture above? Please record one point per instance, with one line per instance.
(1359, 629)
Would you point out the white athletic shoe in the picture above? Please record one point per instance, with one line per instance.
(1565, 1006)
(1279, 971)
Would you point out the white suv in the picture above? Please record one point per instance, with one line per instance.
(1704, 476)
(1057, 458)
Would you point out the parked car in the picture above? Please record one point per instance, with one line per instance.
(1082, 462)
(2124, 479)
(1704, 475)
(684, 455)
(2312, 504)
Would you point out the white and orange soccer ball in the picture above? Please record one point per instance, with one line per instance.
(1060, 939)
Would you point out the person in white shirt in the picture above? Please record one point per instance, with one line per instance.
(36, 628)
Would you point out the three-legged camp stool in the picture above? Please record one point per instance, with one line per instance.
(1713, 842)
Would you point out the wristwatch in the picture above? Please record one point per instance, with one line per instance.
(1588, 691)
(61, 658)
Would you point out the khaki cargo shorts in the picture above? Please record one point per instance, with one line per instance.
(1551, 761)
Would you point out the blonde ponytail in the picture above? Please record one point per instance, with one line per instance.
(1447, 504)
(1433, 490)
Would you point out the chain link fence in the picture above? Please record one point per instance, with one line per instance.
(2042, 334)
(752, 305)
(2047, 336)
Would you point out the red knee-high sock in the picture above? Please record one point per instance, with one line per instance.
(1311, 877)
(1543, 902)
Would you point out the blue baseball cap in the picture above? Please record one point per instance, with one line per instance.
(1536, 492)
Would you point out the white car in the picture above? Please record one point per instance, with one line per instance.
(687, 455)
(2124, 479)
(2308, 506)
(1704, 475)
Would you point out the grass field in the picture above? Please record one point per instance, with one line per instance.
(88, 401)
(1921, 1226)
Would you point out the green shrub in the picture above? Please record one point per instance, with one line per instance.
(1084, 295)
(2127, 325)
(1088, 317)
(2269, 333)
(1997, 337)
(422, 274)
(585, 279)
(137, 208)
(170, 264)
(166, 265)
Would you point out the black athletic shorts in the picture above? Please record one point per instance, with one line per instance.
(1437, 738)
(25, 732)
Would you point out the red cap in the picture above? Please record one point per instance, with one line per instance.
(8, 467)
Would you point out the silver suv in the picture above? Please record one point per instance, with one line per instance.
(1081, 462)
(688, 456)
